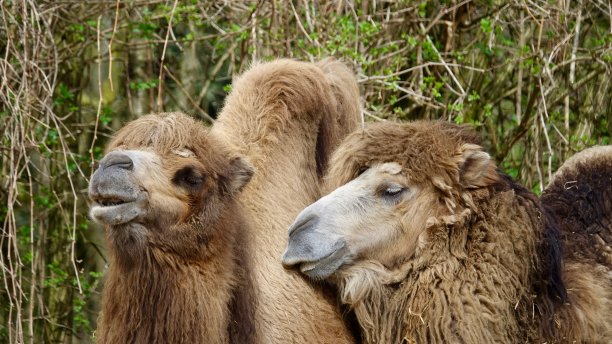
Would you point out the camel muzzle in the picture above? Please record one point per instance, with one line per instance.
(318, 254)
(113, 188)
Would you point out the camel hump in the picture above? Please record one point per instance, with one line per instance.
(287, 87)
(285, 92)
(275, 101)
(580, 198)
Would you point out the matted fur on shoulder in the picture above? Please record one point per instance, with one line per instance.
(580, 197)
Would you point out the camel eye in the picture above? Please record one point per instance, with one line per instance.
(193, 180)
(393, 191)
(188, 177)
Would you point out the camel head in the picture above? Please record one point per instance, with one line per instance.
(390, 183)
(164, 182)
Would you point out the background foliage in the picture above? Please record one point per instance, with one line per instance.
(533, 76)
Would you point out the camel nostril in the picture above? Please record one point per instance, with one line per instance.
(303, 221)
(117, 160)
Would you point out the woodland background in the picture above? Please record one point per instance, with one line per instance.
(532, 76)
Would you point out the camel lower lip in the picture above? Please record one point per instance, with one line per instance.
(116, 214)
(327, 265)
(306, 267)
(316, 270)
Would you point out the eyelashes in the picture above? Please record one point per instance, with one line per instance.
(392, 191)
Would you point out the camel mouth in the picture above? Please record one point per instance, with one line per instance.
(306, 267)
(112, 198)
(326, 266)
(115, 210)
(111, 202)
(319, 268)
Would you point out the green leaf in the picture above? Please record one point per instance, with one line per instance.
(486, 26)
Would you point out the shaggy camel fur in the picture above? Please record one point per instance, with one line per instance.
(166, 193)
(287, 117)
(580, 198)
(429, 243)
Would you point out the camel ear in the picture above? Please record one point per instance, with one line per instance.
(239, 175)
(476, 169)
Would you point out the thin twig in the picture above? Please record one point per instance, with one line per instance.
(203, 113)
(299, 23)
(572, 72)
(519, 78)
(100, 99)
(551, 153)
(110, 46)
(160, 85)
(450, 72)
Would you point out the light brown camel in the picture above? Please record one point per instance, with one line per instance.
(181, 246)
(166, 193)
(286, 118)
(429, 243)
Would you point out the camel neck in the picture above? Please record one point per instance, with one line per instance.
(175, 302)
